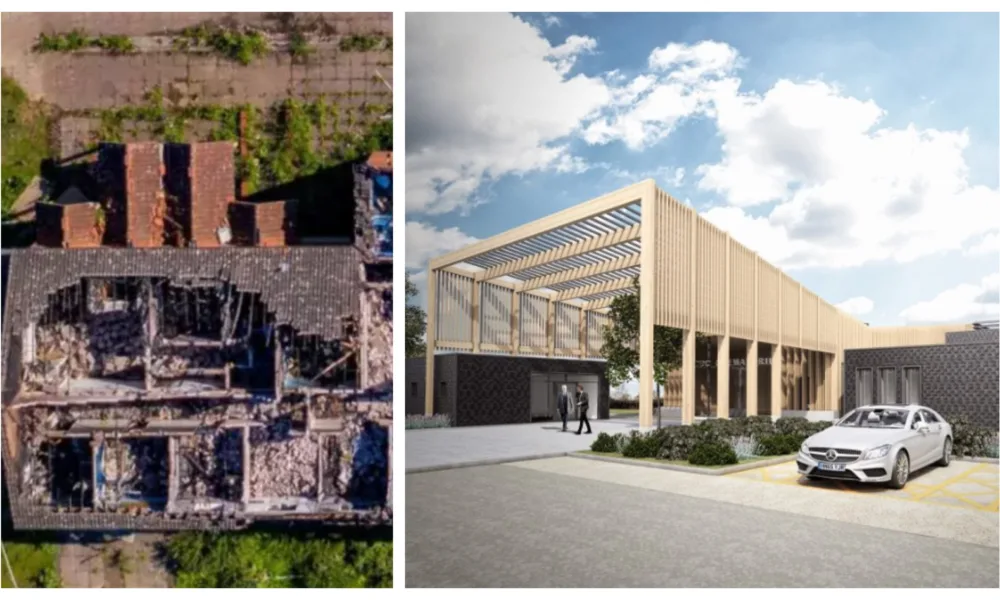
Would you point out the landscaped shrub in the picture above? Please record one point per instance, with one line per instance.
(970, 440)
(641, 445)
(745, 446)
(778, 444)
(712, 453)
(427, 422)
(604, 443)
(756, 426)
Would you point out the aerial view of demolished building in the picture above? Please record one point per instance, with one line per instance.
(172, 360)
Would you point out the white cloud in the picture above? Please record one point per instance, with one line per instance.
(424, 242)
(678, 177)
(552, 21)
(488, 96)
(988, 244)
(694, 62)
(857, 306)
(961, 304)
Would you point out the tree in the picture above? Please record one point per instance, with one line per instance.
(416, 324)
(621, 343)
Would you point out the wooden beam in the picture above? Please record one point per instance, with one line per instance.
(570, 250)
(575, 214)
(431, 343)
(608, 266)
(602, 303)
(647, 307)
(624, 283)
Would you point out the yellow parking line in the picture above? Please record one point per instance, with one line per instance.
(959, 496)
(940, 486)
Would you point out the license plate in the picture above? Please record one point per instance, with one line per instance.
(830, 467)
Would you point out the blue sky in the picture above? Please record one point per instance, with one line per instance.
(857, 152)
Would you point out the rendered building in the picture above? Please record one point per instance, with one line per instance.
(173, 364)
(542, 291)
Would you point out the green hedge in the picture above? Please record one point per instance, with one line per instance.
(971, 440)
(713, 454)
(783, 436)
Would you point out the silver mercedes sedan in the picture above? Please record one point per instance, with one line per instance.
(878, 444)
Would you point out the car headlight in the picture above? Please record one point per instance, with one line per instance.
(879, 452)
(804, 449)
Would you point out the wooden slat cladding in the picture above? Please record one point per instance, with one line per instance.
(495, 307)
(742, 299)
(710, 279)
(810, 320)
(673, 262)
(454, 318)
(567, 326)
(931, 335)
(534, 321)
(829, 327)
(790, 321)
(596, 322)
(768, 290)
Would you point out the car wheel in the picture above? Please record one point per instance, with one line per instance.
(900, 471)
(945, 454)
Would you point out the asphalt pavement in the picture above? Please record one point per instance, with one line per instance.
(507, 526)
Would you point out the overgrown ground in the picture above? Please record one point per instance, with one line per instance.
(278, 560)
(34, 564)
(26, 141)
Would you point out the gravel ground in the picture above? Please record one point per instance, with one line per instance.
(508, 526)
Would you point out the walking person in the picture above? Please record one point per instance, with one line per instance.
(583, 405)
(564, 405)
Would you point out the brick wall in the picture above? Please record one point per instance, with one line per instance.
(957, 380)
(145, 201)
(79, 225)
(213, 188)
(263, 223)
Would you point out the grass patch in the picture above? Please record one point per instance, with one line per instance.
(624, 411)
(241, 45)
(299, 47)
(270, 560)
(25, 138)
(78, 39)
(682, 463)
(365, 43)
(34, 565)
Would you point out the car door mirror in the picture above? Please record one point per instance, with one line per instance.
(922, 426)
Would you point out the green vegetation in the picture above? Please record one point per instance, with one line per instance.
(25, 137)
(365, 43)
(263, 560)
(78, 39)
(416, 323)
(701, 442)
(298, 46)
(240, 45)
(34, 565)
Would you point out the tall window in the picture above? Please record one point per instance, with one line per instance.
(865, 389)
(887, 385)
(911, 385)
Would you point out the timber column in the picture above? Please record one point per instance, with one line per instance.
(647, 304)
(753, 367)
(722, 357)
(690, 333)
(431, 341)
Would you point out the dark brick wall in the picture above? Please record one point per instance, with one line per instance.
(978, 336)
(956, 379)
(486, 389)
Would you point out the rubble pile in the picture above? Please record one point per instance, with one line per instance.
(362, 476)
(282, 466)
(378, 305)
(327, 407)
(116, 341)
(137, 465)
(180, 359)
(211, 466)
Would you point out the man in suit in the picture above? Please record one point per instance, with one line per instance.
(583, 405)
(564, 405)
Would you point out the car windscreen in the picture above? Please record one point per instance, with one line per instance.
(879, 418)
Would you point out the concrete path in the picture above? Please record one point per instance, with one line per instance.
(466, 446)
(939, 521)
(506, 526)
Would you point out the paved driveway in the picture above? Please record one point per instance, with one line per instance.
(961, 484)
(467, 446)
(570, 522)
